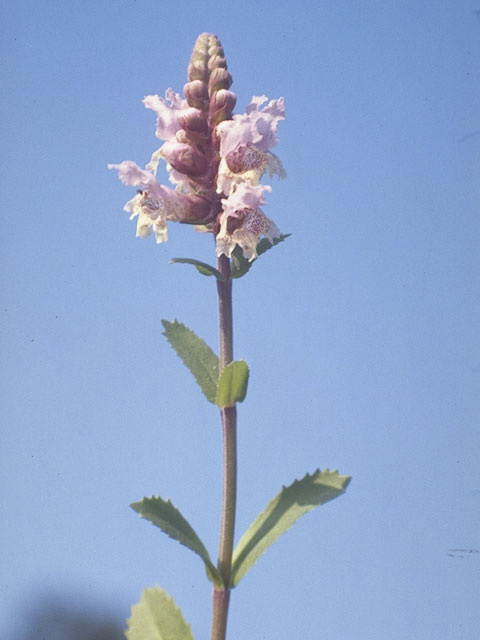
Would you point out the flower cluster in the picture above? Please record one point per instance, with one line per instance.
(215, 159)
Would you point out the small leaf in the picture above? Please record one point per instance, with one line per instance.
(164, 515)
(157, 617)
(232, 384)
(280, 514)
(196, 355)
(241, 266)
(202, 267)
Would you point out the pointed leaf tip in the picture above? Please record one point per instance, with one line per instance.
(281, 513)
(164, 515)
(202, 267)
(232, 384)
(157, 617)
(196, 355)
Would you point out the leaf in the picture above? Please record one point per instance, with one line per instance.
(168, 518)
(280, 514)
(196, 355)
(232, 384)
(157, 617)
(204, 268)
(241, 266)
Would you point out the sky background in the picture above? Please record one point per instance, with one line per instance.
(361, 330)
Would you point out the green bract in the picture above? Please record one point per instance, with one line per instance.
(241, 266)
(202, 267)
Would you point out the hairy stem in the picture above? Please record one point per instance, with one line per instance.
(229, 428)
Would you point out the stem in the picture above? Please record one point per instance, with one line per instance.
(221, 598)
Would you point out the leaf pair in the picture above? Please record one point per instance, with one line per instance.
(224, 391)
(279, 515)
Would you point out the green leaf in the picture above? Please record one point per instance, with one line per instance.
(164, 515)
(280, 514)
(204, 268)
(232, 384)
(157, 617)
(195, 354)
(240, 266)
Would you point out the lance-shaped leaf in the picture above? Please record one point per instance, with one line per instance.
(157, 617)
(240, 266)
(196, 355)
(291, 503)
(232, 384)
(202, 267)
(168, 518)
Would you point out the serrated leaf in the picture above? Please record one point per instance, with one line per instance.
(157, 617)
(240, 266)
(196, 355)
(232, 384)
(281, 513)
(202, 267)
(168, 518)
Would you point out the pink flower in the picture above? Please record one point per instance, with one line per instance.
(155, 203)
(167, 114)
(214, 159)
(254, 126)
(245, 142)
(243, 222)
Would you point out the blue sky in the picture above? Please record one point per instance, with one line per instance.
(361, 330)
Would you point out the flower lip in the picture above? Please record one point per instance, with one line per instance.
(258, 127)
(167, 111)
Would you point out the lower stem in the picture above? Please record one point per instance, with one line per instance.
(221, 598)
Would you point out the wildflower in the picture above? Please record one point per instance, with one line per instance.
(243, 222)
(215, 160)
(245, 141)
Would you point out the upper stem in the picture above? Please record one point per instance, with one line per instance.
(229, 428)
(225, 315)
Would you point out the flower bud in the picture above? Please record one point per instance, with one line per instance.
(222, 104)
(198, 70)
(219, 79)
(201, 210)
(196, 93)
(215, 47)
(217, 62)
(193, 120)
(183, 158)
(207, 55)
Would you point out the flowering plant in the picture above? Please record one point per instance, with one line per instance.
(216, 161)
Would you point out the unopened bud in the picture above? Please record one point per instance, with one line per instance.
(198, 70)
(215, 48)
(185, 159)
(219, 79)
(196, 93)
(222, 105)
(194, 120)
(195, 124)
(203, 210)
(207, 55)
(217, 62)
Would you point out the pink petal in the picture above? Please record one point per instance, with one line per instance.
(167, 114)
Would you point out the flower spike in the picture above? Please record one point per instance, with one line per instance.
(215, 160)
